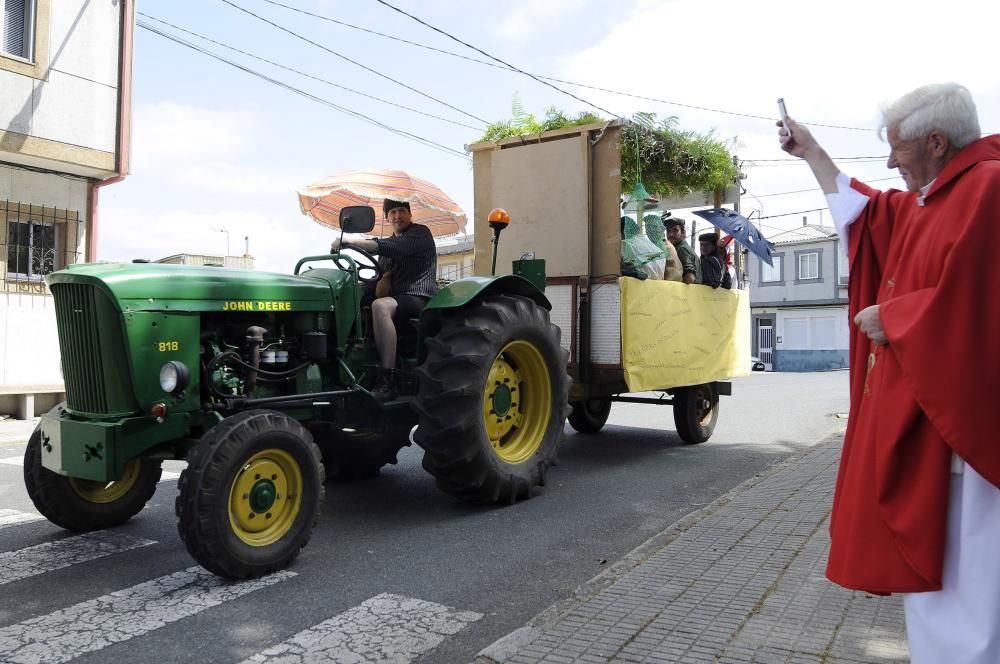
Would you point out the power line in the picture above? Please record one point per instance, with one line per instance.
(325, 102)
(798, 159)
(302, 73)
(801, 191)
(789, 214)
(353, 62)
(751, 163)
(492, 57)
(396, 39)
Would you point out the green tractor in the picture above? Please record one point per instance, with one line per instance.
(262, 383)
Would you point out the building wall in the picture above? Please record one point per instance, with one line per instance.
(29, 346)
(58, 112)
(790, 288)
(457, 261)
(811, 339)
(37, 126)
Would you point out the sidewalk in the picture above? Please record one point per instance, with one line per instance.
(740, 581)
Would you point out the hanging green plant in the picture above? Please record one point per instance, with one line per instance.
(668, 161)
(672, 162)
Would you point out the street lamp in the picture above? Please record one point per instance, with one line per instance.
(223, 229)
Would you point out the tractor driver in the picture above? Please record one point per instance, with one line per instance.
(409, 258)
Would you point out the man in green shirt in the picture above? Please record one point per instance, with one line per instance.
(690, 265)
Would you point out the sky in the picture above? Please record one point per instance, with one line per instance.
(218, 154)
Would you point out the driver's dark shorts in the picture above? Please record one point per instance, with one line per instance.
(408, 306)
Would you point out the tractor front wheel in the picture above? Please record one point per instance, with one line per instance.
(492, 400)
(77, 504)
(250, 495)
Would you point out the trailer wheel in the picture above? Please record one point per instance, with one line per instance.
(492, 400)
(82, 505)
(591, 415)
(696, 411)
(351, 455)
(250, 495)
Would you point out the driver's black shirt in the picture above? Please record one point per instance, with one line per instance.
(413, 259)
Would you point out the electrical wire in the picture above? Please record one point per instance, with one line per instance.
(353, 62)
(397, 39)
(749, 163)
(789, 214)
(45, 171)
(798, 159)
(801, 191)
(320, 100)
(302, 73)
(493, 57)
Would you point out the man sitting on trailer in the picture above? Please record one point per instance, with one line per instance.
(690, 266)
(412, 255)
(713, 262)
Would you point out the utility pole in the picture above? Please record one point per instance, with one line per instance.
(738, 256)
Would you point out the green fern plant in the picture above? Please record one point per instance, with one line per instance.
(669, 161)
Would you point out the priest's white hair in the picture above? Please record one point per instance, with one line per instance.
(947, 107)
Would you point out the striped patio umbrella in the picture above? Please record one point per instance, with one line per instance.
(430, 206)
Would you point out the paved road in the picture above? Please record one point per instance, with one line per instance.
(396, 571)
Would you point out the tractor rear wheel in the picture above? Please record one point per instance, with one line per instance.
(591, 415)
(251, 494)
(492, 400)
(351, 455)
(77, 504)
(696, 411)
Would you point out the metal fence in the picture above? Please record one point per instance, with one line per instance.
(35, 240)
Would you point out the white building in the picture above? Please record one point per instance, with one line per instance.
(65, 77)
(798, 307)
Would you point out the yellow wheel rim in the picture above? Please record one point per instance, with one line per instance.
(108, 492)
(517, 403)
(264, 497)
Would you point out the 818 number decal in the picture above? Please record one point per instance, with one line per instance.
(165, 346)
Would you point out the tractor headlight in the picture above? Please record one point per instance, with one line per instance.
(174, 377)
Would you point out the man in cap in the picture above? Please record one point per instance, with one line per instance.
(917, 505)
(409, 256)
(690, 266)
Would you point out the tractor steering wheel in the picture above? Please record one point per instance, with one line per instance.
(371, 265)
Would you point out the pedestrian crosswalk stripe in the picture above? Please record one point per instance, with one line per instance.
(385, 628)
(165, 475)
(13, 517)
(97, 623)
(33, 560)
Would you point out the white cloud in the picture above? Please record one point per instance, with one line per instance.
(834, 64)
(533, 17)
(167, 134)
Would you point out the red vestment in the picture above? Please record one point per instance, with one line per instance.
(933, 389)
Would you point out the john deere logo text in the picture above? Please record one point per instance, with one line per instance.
(251, 305)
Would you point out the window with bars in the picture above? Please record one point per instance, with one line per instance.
(34, 241)
(31, 249)
(17, 27)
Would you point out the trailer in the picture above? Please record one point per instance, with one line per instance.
(626, 338)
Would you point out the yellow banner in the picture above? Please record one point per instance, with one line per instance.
(676, 334)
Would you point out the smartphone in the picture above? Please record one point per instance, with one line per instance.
(783, 114)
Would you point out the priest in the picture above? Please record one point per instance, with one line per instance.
(917, 506)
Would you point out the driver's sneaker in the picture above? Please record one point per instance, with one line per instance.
(385, 387)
